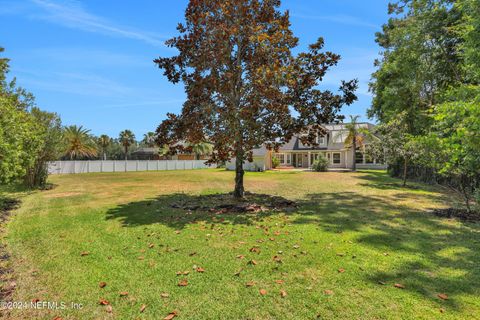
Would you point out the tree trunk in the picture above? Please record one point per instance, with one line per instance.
(239, 191)
(126, 152)
(405, 165)
(354, 146)
(104, 156)
(465, 193)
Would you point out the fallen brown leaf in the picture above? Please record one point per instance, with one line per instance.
(252, 262)
(240, 256)
(183, 283)
(442, 296)
(263, 292)
(84, 253)
(104, 302)
(328, 292)
(277, 259)
(238, 273)
(279, 281)
(102, 284)
(123, 294)
(250, 284)
(171, 315)
(341, 270)
(283, 293)
(182, 273)
(255, 249)
(142, 308)
(151, 245)
(164, 295)
(399, 285)
(199, 269)
(109, 309)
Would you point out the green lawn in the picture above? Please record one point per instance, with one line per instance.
(379, 233)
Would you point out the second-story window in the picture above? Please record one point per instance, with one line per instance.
(321, 140)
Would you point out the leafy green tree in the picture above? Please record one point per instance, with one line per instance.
(420, 59)
(453, 146)
(48, 134)
(244, 85)
(16, 141)
(104, 142)
(29, 137)
(395, 144)
(127, 139)
(78, 143)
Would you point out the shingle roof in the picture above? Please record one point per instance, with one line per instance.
(336, 138)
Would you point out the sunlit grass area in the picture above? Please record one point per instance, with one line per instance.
(358, 246)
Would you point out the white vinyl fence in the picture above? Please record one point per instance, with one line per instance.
(67, 167)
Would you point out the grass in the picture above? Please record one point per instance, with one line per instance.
(365, 223)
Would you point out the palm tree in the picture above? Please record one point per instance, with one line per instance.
(149, 139)
(78, 142)
(126, 138)
(354, 139)
(201, 149)
(104, 141)
(164, 150)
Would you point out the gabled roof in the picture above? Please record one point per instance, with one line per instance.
(336, 138)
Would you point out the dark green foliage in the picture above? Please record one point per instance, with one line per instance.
(275, 162)
(29, 137)
(320, 165)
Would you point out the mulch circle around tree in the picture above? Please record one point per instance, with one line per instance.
(226, 203)
(461, 214)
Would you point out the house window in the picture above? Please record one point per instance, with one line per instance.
(358, 157)
(321, 140)
(336, 158)
(284, 158)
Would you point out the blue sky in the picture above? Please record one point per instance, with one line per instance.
(91, 61)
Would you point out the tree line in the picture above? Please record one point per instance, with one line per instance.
(426, 93)
(30, 137)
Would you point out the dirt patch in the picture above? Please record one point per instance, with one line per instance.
(6, 278)
(226, 203)
(63, 195)
(461, 214)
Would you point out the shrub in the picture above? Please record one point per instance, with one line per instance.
(321, 164)
(275, 162)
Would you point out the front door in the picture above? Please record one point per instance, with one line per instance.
(300, 160)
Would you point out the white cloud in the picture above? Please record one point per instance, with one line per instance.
(71, 14)
(72, 83)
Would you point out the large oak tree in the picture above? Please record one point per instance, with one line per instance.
(244, 85)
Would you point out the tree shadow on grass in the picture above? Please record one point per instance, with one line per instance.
(180, 209)
(430, 256)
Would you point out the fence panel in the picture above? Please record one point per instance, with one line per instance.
(71, 167)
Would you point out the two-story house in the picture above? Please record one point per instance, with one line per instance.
(294, 154)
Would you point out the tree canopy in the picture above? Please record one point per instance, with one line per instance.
(244, 85)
